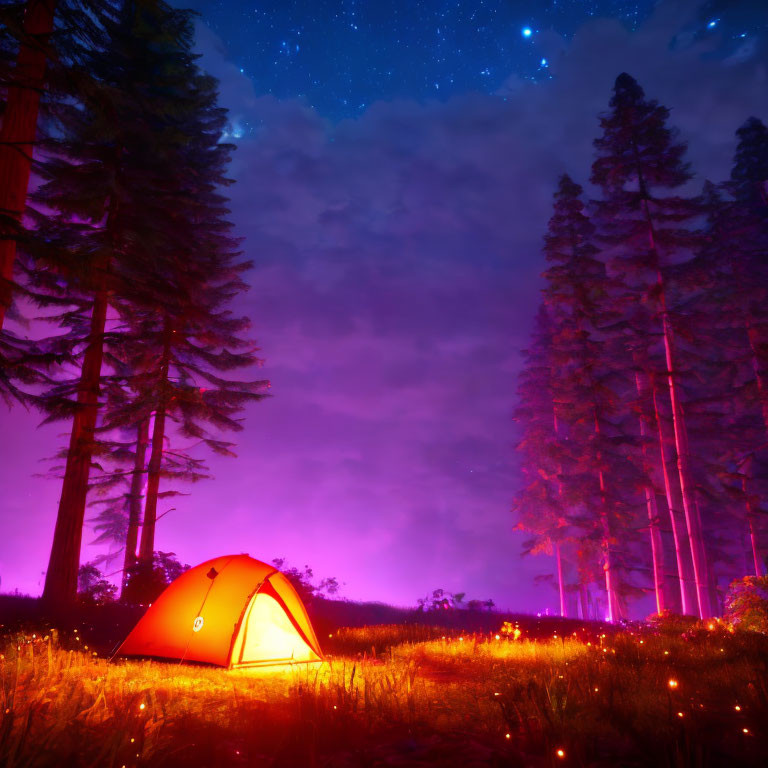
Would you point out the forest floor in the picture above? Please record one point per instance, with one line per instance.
(396, 695)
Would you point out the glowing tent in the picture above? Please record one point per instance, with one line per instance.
(232, 611)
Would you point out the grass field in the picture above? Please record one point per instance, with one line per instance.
(397, 696)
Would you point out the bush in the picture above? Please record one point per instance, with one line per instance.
(746, 605)
(92, 587)
(145, 585)
(668, 623)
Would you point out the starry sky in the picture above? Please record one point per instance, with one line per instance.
(342, 55)
(394, 170)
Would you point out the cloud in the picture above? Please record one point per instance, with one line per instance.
(397, 259)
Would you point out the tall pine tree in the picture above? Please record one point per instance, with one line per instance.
(642, 220)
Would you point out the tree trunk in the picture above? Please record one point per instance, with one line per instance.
(17, 135)
(752, 527)
(560, 583)
(657, 552)
(610, 585)
(687, 491)
(673, 504)
(760, 374)
(147, 546)
(584, 600)
(755, 547)
(690, 507)
(61, 577)
(134, 502)
(656, 548)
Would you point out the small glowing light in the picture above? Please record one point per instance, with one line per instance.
(330, 635)
(527, 31)
(710, 626)
(498, 637)
(497, 694)
(737, 708)
(745, 730)
(198, 624)
(560, 753)
(507, 735)
(543, 62)
(132, 740)
(712, 24)
(142, 706)
(335, 707)
(680, 714)
(672, 683)
(641, 642)
(596, 690)
(666, 653)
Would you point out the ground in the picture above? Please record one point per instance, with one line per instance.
(409, 694)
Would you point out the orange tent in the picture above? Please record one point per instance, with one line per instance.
(232, 611)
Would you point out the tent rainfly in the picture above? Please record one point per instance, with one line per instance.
(232, 611)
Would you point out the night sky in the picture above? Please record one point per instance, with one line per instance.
(395, 167)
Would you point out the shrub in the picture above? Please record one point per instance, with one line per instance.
(92, 587)
(668, 623)
(746, 605)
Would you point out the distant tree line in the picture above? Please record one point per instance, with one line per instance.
(122, 246)
(643, 403)
(441, 600)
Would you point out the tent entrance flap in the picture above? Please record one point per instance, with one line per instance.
(267, 635)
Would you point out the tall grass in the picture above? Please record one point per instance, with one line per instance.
(414, 699)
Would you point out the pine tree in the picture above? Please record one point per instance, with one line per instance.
(580, 459)
(590, 387)
(195, 342)
(730, 323)
(42, 44)
(540, 503)
(176, 360)
(29, 89)
(118, 217)
(638, 167)
(18, 132)
(748, 215)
